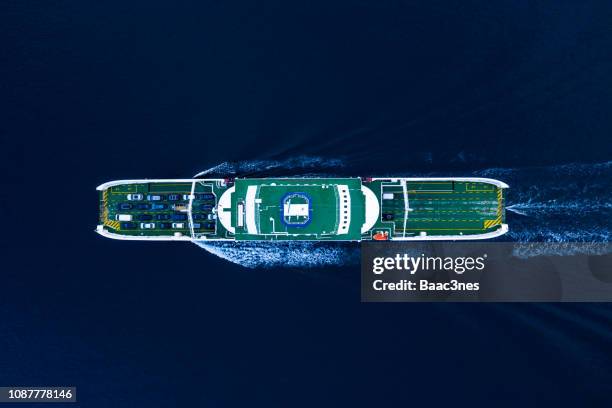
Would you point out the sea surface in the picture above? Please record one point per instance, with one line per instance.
(515, 90)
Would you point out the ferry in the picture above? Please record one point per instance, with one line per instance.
(318, 209)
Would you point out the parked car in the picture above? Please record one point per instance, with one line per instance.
(134, 197)
(197, 225)
(157, 206)
(212, 216)
(143, 206)
(174, 197)
(144, 217)
(155, 197)
(186, 197)
(180, 207)
(123, 217)
(125, 206)
(165, 225)
(127, 225)
(205, 207)
(162, 216)
(198, 216)
(147, 225)
(179, 217)
(178, 225)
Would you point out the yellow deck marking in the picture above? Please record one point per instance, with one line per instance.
(498, 219)
(480, 190)
(452, 211)
(418, 183)
(105, 213)
(126, 188)
(489, 223)
(430, 192)
(440, 199)
(442, 229)
(113, 224)
(413, 220)
(105, 206)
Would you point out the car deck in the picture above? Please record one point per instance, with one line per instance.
(111, 198)
(438, 208)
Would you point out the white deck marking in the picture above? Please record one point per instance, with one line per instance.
(405, 192)
(372, 209)
(189, 209)
(224, 214)
(250, 210)
(344, 209)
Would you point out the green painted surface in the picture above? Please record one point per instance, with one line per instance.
(326, 209)
(440, 208)
(111, 198)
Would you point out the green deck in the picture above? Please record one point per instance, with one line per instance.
(325, 205)
(440, 208)
(111, 198)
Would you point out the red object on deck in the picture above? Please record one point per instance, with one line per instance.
(381, 236)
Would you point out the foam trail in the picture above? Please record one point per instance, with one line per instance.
(290, 254)
(530, 249)
(515, 210)
(288, 167)
(553, 205)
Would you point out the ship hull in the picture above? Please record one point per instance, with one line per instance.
(314, 209)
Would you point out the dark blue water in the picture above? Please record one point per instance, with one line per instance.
(516, 90)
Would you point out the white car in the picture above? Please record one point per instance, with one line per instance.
(134, 197)
(211, 216)
(186, 197)
(154, 197)
(147, 225)
(178, 225)
(123, 217)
